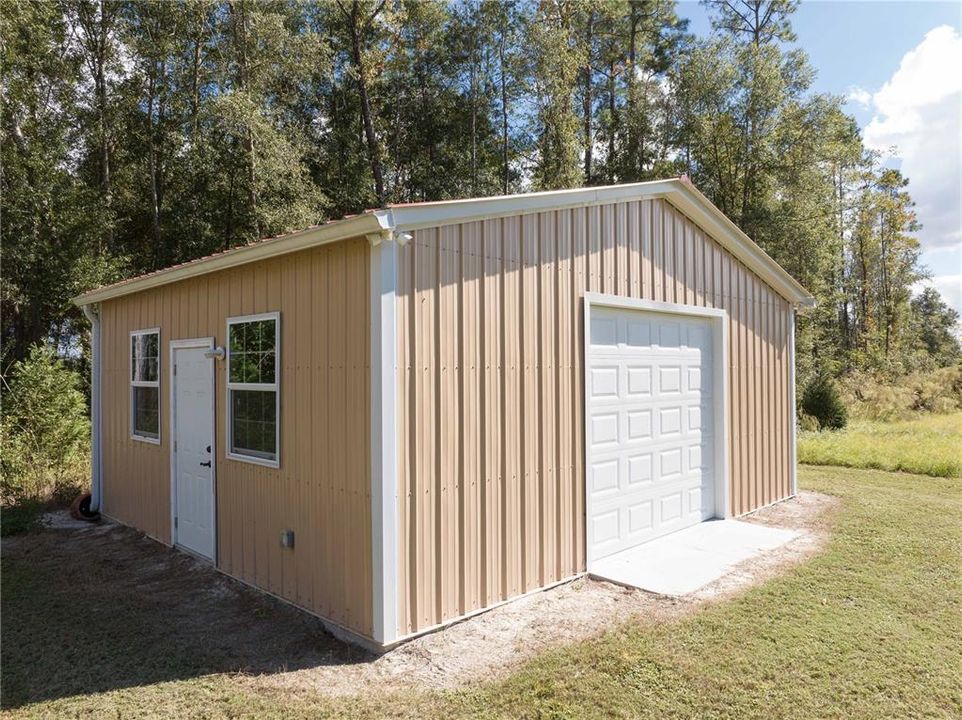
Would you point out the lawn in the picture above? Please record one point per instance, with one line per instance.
(927, 445)
(867, 629)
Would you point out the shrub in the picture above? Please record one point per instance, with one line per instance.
(874, 397)
(822, 401)
(45, 432)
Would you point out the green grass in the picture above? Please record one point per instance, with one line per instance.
(869, 628)
(927, 445)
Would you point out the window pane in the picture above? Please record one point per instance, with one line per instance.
(254, 418)
(146, 412)
(252, 352)
(144, 357)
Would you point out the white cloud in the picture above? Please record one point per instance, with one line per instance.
(918, 112)
(859, 96)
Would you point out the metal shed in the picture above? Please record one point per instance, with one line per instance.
(408, 416)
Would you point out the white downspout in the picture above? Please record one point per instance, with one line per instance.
(793, 441)
(93, 315)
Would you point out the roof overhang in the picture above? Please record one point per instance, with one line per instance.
(395, 221)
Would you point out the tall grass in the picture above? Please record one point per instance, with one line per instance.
(927, 444)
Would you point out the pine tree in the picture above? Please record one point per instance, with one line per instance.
(556, 60)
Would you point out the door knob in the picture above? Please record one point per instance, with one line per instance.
(206, 464)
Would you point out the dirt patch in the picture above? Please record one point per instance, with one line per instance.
(490, 644)
(229, 627)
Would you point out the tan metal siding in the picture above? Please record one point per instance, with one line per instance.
(490, 387)
(322, 489)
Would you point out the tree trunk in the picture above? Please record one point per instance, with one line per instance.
(613, 115)
(152, 159)
(474, 104)
(631, 136)
(373, 147)
(100, 84)
(243, 82)
(587, 100)
(504, 108)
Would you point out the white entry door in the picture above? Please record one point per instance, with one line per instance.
(192, 377)
(650, 426)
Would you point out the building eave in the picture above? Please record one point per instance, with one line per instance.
(375, 222)
(396, 219)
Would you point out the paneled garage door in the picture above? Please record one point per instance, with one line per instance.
(649, 426)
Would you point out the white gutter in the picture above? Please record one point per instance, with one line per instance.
(93, 315)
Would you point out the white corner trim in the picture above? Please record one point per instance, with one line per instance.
(793, 414)
(384, 540)
(720, 351)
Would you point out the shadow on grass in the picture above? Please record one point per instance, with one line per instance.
(92, 608)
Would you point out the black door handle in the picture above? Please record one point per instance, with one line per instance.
(206, 464)
(208, 448)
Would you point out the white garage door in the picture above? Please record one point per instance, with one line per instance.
(649, 426)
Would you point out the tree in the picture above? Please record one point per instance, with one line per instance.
(50, 221)
(937, 326)
(360, 21)
(137, 135)
(556, 61)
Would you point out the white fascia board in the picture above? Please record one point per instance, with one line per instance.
(433, 214)
(680, 193)
(373, 222)
(384, 224)
(713, 221)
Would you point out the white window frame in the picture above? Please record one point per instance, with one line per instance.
(134, 435)
(275, 387)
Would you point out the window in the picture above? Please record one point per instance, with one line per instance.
(145, 385)
(253, 399)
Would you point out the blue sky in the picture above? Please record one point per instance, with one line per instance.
(900, 66)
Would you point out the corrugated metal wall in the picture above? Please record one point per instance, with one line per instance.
(322, 489)
(490, 427)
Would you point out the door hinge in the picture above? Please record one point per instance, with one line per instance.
(175, 369)
(175, 446)
(175, 523)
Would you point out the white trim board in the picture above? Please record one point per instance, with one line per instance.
(722, 474)
(402, 218)
(208, 343)
(384, 512)
(274, 387)
(131, 384)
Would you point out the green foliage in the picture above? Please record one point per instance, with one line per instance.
(821, 400)
(136, 135)
(557, 59)
(875, 397)
(45, 431)
(937, 327)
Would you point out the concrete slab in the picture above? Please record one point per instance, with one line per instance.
(684, 561)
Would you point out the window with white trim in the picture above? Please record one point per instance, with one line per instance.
(145, 385)
(253, 397)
